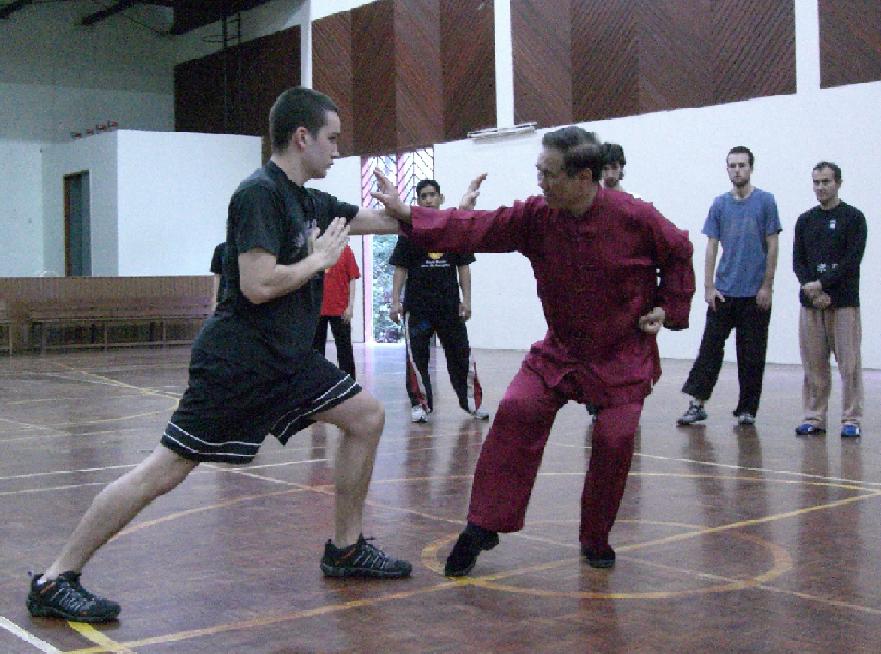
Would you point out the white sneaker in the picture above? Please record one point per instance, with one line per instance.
(480, 414)
(417, 414)
(746, 418)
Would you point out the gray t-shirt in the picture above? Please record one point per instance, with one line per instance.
(741, 226)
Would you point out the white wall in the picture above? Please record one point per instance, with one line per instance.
(676, 160)
(97, 155)
(174, 190)
(57, 76)
(21, 209)
(49, 114)
(158, 200)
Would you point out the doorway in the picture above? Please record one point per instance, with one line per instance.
(77, 226)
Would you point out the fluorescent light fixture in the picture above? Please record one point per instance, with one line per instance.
(497, 132)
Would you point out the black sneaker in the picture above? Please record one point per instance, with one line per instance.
(362, 560)
(604, 558)
(65, 598)
(471, 542)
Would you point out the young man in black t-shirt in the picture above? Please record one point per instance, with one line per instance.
(217, 270)
(253, 370)
(432, 305)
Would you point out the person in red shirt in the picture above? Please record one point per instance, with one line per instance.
(337, 306)
(610, 271)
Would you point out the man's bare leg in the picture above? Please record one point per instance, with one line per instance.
(361, 418)
(115, 506)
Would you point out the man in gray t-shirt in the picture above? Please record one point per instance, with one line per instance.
(738, 294)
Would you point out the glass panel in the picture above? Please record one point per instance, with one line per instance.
(406, 169)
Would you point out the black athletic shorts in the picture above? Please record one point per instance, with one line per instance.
(227, 411)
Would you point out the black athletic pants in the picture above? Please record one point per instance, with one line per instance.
(751, 325)
(453, 336)
(342, 336)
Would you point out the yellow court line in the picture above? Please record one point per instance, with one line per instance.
(106, 643)
(208, 507)
(28, 425)
(480, 581)
(270, 620)
(430, 560)
(774, 589)
(66, 434)
(59, 398)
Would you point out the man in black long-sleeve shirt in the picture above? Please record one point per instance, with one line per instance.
(826, 256)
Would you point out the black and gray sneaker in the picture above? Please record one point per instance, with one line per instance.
(362, 560)
(64, 597)
(472, 542)
(693, 414)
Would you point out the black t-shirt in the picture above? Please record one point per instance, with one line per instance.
(432, 280)
(217, 267)
(828, 246)
(270, 212)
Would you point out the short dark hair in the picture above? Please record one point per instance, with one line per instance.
(297, 107)
(836, 169)
(742, 149)
(581, 150)
(613, 153)
(426, 182)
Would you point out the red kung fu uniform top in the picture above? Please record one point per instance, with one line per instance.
(336, 284)
(595, 274)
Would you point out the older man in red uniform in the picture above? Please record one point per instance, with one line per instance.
(610, 272)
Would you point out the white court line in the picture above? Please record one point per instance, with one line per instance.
(28, 637)
(31, 475)
(731, 466)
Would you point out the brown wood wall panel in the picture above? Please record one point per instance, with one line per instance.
(375, 98)
(467, 66)
(256, 72)
(417, 77)
(605, 59)
(631, 56)
(542, 49)
(755, 49)
(270, 65)
(850, 42)
(26, 290)
(20, 293)
(196, 108)
(333, 72)
(675, 68)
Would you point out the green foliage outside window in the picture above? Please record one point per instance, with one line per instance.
(384, 330)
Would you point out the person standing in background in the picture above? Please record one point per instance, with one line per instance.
(826, 254)
(745, 222)
(337, 308)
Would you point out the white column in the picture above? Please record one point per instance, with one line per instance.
(504, 64)
(807, 46)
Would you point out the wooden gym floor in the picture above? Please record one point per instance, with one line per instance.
(729, 539)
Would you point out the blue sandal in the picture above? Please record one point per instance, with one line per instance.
(809, 429)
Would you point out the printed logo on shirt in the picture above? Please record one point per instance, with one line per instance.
(832, 224)
(435, 255)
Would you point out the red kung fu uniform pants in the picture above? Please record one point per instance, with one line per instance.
(512, 453)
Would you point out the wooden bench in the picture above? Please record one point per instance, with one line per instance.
(99, 316)
(5, 327)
